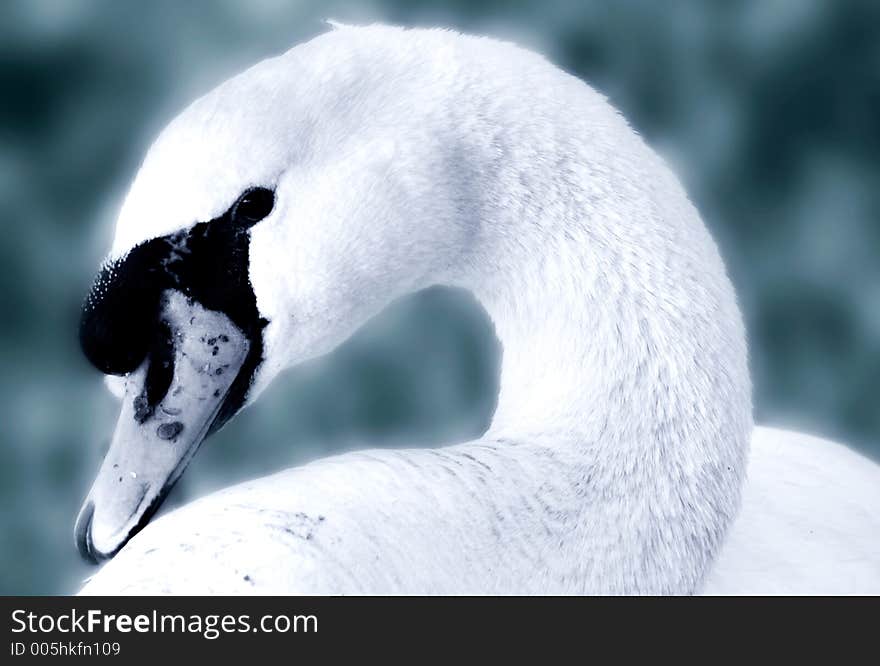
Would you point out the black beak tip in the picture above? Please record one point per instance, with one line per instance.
(82, 534)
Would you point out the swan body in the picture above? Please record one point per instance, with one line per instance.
(808, 523)
(805, 527)
(617, 455)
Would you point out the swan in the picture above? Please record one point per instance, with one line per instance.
(281, 211)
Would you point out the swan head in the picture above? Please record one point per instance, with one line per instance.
(265, 224)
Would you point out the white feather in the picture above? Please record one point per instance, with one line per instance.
(405, 158)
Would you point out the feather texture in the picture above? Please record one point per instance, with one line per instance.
(406, 158)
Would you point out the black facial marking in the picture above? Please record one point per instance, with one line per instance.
(120, 311)
(120, 324)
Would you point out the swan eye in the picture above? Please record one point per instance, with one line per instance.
(253, 206)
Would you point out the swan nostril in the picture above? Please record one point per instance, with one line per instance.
(160, 373)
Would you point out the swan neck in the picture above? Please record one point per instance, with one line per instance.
(624, 381)
(544, 331)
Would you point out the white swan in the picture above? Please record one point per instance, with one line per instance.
(376, 161)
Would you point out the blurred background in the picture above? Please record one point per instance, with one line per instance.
(769, 110)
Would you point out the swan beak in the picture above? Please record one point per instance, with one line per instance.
(157, 436)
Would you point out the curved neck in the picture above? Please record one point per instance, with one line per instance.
(548, 330)
(640, 446)
(624, 408)
(623, 372)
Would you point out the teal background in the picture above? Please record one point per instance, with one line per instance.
(769, 110)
